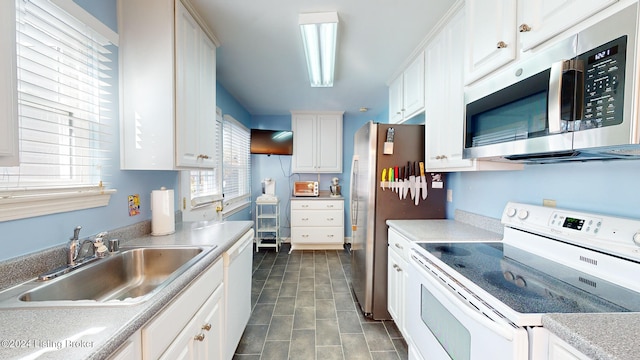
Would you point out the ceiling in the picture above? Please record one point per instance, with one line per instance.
(261, 61)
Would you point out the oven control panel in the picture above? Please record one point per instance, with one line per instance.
(595, 231)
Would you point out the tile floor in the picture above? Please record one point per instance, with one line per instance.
(304, 309)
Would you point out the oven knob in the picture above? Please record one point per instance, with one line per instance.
(522, 214)
(636, 238)
(508, 275)
(511, 212)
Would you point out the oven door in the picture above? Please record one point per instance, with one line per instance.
(443, 326)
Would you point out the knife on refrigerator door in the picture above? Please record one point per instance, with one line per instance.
(412, 181)
(423, 181)
(405, 187)
(400, 181)
(391, 183)
(384, 178)
(416, 183)
(397, 184)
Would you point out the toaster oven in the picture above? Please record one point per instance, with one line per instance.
(305, 188)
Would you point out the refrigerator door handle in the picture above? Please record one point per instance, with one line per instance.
(353, 192)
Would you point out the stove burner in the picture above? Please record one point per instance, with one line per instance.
(452, 250)
(502, 280)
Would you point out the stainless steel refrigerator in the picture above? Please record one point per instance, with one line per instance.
(371, 205)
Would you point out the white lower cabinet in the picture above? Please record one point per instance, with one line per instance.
(190, 327)
(317, 224)
(561, 350)
(130, 350)
(397, 278)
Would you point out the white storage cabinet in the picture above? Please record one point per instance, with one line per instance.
(191, 326)
(317, 142)
(444, 102)
(497, 31)
(268, 224)
(168, 87)
(317, 224)
(397, 278)
(8, 87)
(406, 92)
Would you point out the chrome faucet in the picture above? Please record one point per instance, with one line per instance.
(74, 247)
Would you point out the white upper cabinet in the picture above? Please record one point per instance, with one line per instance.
(406, 92)
(317, 142)
(540, 20)
(490, 36)
(8, 86)
(195, 93)
(444, 102)
(167, 79)
(499, 31)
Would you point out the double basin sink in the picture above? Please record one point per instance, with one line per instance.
(130, 276)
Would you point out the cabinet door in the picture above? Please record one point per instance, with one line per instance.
(195, 108)
(414, 87)
(8, 87)
(396, 100)
(187, 95)
(207, 118)
(393, 288)
(304, 143)
(211, 327)
(329, 145)
(491, 36)
(445, 97)
(547, 18)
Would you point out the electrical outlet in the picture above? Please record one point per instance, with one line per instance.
(449, 195)
(549, 202)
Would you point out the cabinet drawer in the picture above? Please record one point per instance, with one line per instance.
(317, 235)
(317, 218)
(399, 244)
(163, 329)
(317, 204)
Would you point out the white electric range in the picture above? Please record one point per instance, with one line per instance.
(485, 300)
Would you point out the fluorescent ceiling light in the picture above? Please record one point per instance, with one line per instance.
(319, 32)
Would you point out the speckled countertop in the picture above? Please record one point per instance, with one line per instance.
(94, 332)
(604, 336)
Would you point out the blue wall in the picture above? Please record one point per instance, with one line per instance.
(602, 187)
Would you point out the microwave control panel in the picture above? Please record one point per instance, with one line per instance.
(604, 69)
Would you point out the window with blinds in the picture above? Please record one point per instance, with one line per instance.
(63, 126)
(236, 164)
(63, 115)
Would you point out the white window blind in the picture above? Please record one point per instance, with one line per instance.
(64, 127)
(206, 185)
(236, 163)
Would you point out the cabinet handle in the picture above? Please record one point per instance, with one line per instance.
(329, 219)
(502, 45)
(305, 236)
(398, 269)
(398, 113)
(199, 337)
(398, 246)
(305, 206)
(206, 327)
(524, 28)
(330, 236)
(329, 206)
(305, 219)
(203, 156)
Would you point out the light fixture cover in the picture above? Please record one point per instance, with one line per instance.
(319, 32)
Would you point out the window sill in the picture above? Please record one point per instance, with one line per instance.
(26, 205)
(234, 208)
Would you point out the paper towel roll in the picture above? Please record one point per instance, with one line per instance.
(162, 212)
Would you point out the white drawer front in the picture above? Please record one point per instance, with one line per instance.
(317, 235)
(399, 244)
(317, 218)
(317, 204)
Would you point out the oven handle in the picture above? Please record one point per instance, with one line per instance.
(505, 330)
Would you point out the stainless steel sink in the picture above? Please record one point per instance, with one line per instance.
(132, 275)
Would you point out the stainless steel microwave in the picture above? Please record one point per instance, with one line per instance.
(574, 100)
